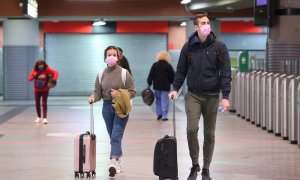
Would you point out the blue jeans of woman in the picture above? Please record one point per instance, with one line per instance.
(115, 127)
(162, 103)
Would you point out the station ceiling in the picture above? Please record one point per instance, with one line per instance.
(129, 10)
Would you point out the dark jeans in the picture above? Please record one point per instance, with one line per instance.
(115, 127)
(207, 105)
(38, 96)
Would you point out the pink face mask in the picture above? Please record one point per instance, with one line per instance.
(205, 30)
(111, 60)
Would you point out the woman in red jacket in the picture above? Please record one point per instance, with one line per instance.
(41, 74)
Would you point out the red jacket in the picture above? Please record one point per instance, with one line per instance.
(40, 83)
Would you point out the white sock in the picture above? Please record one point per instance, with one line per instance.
(114, 160)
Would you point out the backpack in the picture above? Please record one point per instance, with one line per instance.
(50, 82)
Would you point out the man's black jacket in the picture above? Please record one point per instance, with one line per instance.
(206, 74)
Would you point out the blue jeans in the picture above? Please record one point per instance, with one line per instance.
(115, 127)
(162, 103)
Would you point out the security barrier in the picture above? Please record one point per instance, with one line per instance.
(271, 100)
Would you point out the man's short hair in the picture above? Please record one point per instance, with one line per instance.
(199, 16)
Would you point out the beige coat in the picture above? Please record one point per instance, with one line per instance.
(121, 103)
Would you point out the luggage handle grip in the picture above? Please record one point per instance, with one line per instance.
(174, 100)
(83, 154)
(174, 122)
(91, 118)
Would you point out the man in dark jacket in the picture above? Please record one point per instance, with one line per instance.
(205, 63)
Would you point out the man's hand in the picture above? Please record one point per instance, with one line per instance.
(173, 95)
(225, 104)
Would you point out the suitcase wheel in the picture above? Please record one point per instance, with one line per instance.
(160, 178)
(76, 174)
(81, 175)
(88, 175)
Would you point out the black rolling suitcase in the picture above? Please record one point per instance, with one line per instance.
(165, 155)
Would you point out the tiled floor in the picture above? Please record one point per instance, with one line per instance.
(30, 151)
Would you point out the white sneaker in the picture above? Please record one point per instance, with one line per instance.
(45, 121)
(119, 166)
(37, 120)
(115, 167)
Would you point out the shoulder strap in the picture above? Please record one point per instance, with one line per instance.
(124, 76)
(217, 44)
(189, 55)
(124, 80)
(100, 76)
(218, 52)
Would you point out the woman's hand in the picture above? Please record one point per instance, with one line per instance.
(35, 76)
(91, 100)
(113, 93)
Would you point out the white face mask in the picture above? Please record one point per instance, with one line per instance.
(111, 60)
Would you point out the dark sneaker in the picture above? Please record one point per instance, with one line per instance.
(195, 170)
(205, 174)
(165, 119)
(112, 169)
(159, 117)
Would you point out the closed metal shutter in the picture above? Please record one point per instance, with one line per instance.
(18, 62)
(1, 71)
(80, 57)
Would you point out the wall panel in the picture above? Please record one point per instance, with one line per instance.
(80, 57)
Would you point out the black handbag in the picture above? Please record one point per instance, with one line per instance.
(148, 96)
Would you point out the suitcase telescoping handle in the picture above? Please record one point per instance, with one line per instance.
(174, 100)
(174, 122)
(91, 118)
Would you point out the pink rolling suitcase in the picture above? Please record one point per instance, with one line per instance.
(85, 152)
